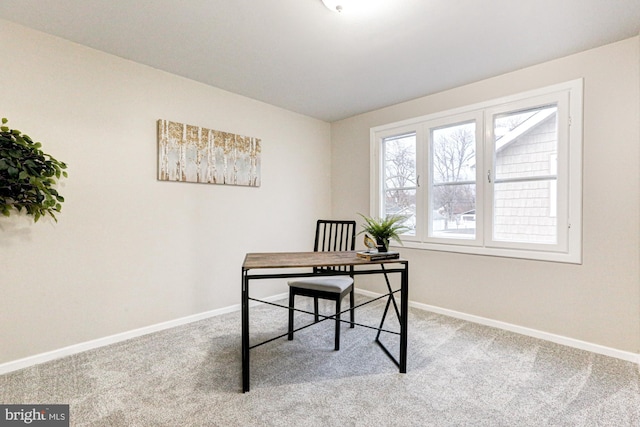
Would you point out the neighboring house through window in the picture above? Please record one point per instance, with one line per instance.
(499, 178)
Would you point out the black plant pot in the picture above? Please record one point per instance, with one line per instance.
(382, 245)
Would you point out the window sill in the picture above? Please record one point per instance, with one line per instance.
(561, 257)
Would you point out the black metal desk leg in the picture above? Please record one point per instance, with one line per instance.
(245, 331)
(389, 301)
(404, 317)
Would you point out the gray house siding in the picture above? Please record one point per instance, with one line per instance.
(525, 210)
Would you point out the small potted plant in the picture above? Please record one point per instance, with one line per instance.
(28, 176)
(384, 230)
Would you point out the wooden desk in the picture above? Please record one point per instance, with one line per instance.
(285, 260)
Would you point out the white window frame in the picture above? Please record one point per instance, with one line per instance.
(377, 168)
(439, 122)
(569, 98)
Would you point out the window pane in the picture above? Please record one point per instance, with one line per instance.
(524, 143)
(402, 202)
(523, 212)
(400, 178)
(400, 161)
(456, 217)
(525, 156)
(453, 189)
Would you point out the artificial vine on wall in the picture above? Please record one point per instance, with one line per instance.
(28, 176)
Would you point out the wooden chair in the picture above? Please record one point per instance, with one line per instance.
(330, 236)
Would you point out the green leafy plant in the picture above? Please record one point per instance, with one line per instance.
(28, 176)
(383, 230)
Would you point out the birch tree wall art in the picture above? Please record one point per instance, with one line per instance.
(195, 154)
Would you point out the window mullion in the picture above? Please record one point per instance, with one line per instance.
(487, 173)
(422, 184)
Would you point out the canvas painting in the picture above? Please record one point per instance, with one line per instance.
(190, 153)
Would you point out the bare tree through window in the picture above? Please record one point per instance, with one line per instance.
(400, 179)
(453, 154)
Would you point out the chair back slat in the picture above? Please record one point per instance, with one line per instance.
(335, 235)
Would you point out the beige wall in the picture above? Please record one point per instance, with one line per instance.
(129, 251)
(598, 301)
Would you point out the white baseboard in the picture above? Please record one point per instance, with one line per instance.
(112, 339)
(558, 339)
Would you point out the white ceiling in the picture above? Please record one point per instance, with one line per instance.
(298, 55)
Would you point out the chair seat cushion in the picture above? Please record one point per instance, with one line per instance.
(335, 284)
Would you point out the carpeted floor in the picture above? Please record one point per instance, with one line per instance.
(459, 374)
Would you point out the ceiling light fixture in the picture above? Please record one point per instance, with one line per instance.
(334, 5)
(359, 8)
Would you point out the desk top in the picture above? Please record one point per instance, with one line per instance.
(309, 259)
